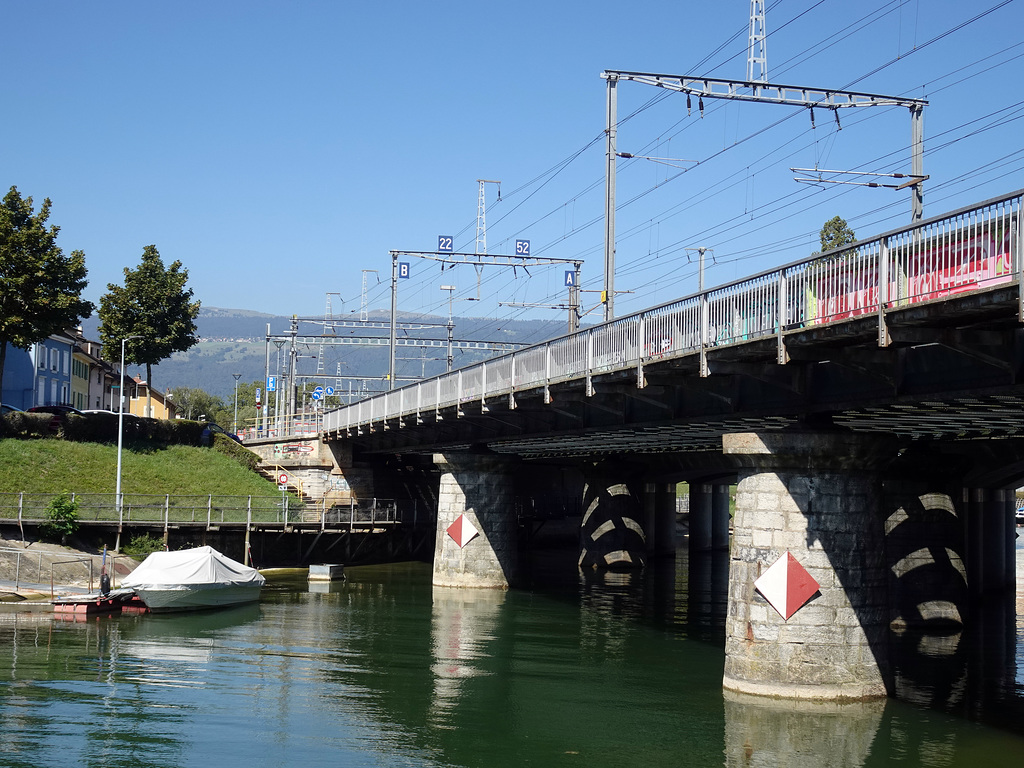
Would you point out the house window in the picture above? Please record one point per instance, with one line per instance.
(41, 393)
(40, 357)
(54, 360)
(67, 361)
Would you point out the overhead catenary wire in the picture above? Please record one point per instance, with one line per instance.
(585, 224)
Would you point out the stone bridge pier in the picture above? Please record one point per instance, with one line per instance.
(477, 527)
(842, 542)
(627, 518)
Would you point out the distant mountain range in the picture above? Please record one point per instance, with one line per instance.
(235, 341)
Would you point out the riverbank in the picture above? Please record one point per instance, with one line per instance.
(28, 568)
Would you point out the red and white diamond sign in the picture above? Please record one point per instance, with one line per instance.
(462, 531)
(786, 585)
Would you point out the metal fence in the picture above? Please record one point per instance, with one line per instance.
(209, 510)
(376, 512)
(971, 249)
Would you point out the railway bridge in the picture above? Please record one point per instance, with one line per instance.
(868, 403)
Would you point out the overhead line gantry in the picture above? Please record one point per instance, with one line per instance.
(479, 260)
(745, 90)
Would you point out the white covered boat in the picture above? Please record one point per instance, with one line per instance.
(191, 579)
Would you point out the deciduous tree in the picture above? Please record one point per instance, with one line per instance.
(153, 304)
(40, 287)
(192, 403)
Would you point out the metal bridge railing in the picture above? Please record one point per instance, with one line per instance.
(972, 249)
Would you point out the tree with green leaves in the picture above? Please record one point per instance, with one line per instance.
(154, 305)
(193, 402)
(40, 287)
(835, 233)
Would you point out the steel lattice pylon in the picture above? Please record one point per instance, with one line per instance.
(756, 49)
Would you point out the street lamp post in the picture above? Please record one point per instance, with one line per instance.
(118, 500)
(234, 425)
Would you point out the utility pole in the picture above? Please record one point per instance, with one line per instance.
(364, 314)
(756, 49)
(292, 368)
(278, 371)
(611, 126)
(262, 412)
(394, 319)
(481, 216)
(328, 324)
(234, 424)
(451, 323)
(703, 320)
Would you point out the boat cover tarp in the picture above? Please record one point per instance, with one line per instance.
(201, 565)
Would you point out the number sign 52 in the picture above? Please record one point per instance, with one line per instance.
(522, 247)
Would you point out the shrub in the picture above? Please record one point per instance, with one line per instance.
(78, 428)
(143, 545)
(23, 424)
(227, 446)
(61, 518)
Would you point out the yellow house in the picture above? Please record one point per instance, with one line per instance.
(80, 371)
(142, 395)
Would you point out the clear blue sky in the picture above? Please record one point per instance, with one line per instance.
(279, 149)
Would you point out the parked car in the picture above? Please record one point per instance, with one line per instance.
(4, 408)
(59, 412)
(57, 409)
(209, 428)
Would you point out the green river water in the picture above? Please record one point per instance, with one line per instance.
(384, 670)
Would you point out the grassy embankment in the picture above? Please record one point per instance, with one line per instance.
(55, 466)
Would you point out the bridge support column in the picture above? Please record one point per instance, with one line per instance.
(817, 497)
(659, 520)
(720, 516)
(700, 517)
(665, 520)
(709, 516)
(990, 536)
(476, 522)
(611, 535)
